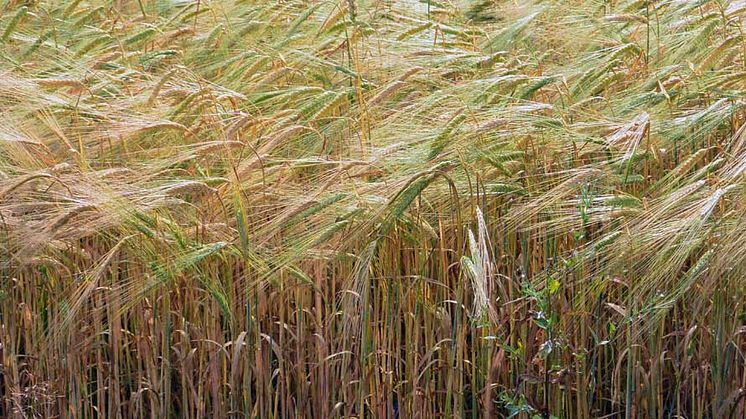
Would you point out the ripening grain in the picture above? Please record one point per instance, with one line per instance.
(372, 209)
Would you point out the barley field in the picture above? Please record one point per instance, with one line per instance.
(372, 209)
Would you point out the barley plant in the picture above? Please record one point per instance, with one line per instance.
(372, 208)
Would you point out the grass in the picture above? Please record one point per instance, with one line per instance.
(372, 208)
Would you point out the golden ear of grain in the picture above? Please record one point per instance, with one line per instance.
(57, 83)
(385, 93)
(339, 12)
(175, 35)
(158, 86)
(66, 217)
(20, 182)
(160, 125)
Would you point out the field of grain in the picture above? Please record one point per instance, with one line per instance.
(372, 208)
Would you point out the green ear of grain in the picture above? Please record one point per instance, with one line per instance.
(414, 31)
(441, 141)
(708, 169)
(215, 34)
(13, 23)
(330, 105)
(324, 236)
(403, 200)
(38, 43)
(685, 284)
(83, 20)
(193, 15)
(496, 160)
(321, 205)
(505, 188)
(166, 272)
(406, 196)
(302, 18)
(70, 8)
(624, 201)
(606, 241)
(242, 227)
(151, 59)
(714, 57)
(318, 104)
(144, 35)
(530, 90)
(185, 104)
(511, 35)
(96, 42)
(278, 169)
(219, 294)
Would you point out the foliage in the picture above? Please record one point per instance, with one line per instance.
(372, 208)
